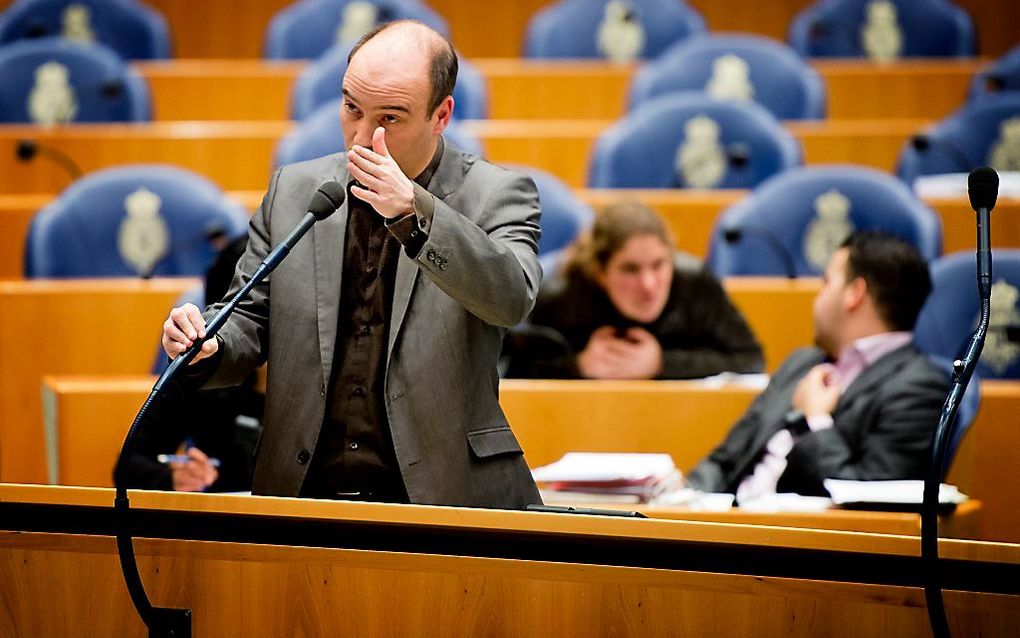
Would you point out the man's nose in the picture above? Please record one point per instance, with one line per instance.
(363, 134)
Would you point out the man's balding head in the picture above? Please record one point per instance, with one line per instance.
(409, 38)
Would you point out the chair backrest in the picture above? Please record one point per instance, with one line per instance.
(131, 29)
(950, 315)
(321, 82)
(129, 221)
(320, 134)
(52, 81)
(695, 141)
(617, 29)
(810, 211)
(883, 29)
(564, 216)
(736, 67)
(307, 29)
(983, 132)
(965, 413)
(1001, 76)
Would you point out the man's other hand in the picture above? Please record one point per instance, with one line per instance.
(184, 325)
(383, 184)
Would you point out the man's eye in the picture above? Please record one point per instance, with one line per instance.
(390, 119)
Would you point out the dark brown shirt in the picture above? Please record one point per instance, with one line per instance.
(354, 456)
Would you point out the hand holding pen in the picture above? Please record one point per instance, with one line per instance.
(193, 471)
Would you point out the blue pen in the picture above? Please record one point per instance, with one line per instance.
(167, 459)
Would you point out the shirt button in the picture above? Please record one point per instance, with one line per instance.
(414, 234)
(358, 391)
(353, 445)
(302, 457)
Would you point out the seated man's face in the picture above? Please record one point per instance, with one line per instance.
(637, 278)
(828, 309)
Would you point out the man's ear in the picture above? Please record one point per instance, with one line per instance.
(443, 113)
(855, 293)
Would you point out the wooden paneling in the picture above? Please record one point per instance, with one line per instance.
(229, 30)
(235, 155)
(220, 89)
(557, 89)
(69, 327)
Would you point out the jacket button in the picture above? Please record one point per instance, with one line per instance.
(430, 255)
(302, 457)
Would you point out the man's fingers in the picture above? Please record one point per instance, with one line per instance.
(362, 177)
(365, 195)
(369, 155)
(364, 163)
(379, 142)
(173, 334)
(196, 320)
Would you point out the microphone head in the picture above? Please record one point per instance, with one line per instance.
(326, 200)
(920, 143)
(983, 187)
(26, 150)
(733, 234)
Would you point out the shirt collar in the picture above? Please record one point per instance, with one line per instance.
(425, 176)
(873, 347)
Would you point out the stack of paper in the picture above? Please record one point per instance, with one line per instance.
(643, 476)
(888, 492)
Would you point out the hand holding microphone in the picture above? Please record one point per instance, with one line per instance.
(186, 325)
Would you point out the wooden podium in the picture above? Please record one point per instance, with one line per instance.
(258, 566)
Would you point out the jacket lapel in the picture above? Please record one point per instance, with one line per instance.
(447, 177)
(328, 237)
(875, 374)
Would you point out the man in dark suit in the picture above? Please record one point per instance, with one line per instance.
(386, 323)
(862, 405)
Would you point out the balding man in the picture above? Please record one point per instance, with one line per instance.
(385, 325)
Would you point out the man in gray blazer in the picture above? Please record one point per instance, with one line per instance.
(385, 326)
(862, 405)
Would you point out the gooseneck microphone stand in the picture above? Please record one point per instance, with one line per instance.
(983, 186)
(176, 623)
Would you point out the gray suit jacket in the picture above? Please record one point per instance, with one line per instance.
(882, 427)
(475, 276)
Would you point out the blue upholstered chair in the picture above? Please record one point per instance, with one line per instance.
(112, 223)
(307, 29)
(809, 211)
(320, 82)
(839, 28)
(736, 67)
(692, 140)
(571, 28)
(564, 216)
(1001, 76)
(320, 134)
(86, 83)
(972, 136)
(950, 315)
(131, 29)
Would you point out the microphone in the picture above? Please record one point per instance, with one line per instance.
(924, 143)
(735, 234)
(162, 621)
(983, 187)
(26, 150)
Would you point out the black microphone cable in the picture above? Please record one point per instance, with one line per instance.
(166, 622)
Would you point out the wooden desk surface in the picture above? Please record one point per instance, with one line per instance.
(472, 572)
(91, 414)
